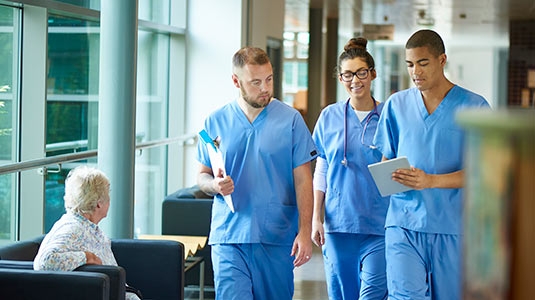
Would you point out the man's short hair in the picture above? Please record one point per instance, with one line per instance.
(427, 38)
(249, 56)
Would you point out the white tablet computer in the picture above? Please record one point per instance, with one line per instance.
(382, 175)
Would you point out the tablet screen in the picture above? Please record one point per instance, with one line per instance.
(382, 175)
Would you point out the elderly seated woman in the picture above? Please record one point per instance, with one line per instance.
(75, 239)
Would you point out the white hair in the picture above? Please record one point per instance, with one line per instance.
(84, 188)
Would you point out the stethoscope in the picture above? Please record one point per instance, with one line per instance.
(367, 121)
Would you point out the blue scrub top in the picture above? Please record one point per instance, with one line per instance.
(352, 201)
(260, 158)
(433, 143)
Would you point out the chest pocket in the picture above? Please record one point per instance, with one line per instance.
(450, 150)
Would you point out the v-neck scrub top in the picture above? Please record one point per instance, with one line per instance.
(433, 143)
(260, 158)
(352, 201)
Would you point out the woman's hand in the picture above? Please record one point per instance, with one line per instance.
(92, 259)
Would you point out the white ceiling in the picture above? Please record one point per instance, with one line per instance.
(458, 21)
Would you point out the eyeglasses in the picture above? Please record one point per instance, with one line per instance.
(361, 74)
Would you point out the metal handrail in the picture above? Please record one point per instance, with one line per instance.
(71, 145)
(188, 139)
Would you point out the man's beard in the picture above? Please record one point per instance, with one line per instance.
(253, 103)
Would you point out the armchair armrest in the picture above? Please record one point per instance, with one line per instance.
(155, 267)
(16, 264)
(116, 274)
(52, 285)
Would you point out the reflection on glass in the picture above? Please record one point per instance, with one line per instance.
(9, 33)
(72, 85)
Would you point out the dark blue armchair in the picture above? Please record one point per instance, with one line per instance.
(156, 268)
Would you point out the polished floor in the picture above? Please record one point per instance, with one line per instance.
(309, 281)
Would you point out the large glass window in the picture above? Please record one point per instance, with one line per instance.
(72, 105)
(9, 116)
(295, 76)
(151, 124)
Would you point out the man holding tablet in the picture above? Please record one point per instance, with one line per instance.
(423, 225)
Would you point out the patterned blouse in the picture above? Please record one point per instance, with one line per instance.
(63, 247)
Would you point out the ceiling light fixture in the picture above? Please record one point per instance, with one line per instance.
(424, 20)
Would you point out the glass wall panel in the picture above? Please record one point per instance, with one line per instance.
(72, 99)
(72, 77)
(9, 114)
(150, 189)
(156, 11)
(151, 125)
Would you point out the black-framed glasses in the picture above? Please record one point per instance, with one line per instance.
(361, 74)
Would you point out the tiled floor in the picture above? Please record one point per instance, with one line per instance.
(309, 281)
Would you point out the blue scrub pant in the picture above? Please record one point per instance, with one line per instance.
(253, 271)
(355, 266)
(422, 265)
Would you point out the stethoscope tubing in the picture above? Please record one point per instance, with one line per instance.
(368, 118)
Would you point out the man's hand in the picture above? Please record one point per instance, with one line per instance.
(419, 180)
(213, 185)
(413, 178)
(302, 249)
(224, 185)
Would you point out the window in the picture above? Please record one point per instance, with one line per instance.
(72, 100)
(151, 124)
(66, 88)
(295, 77)
(154, 11)
(9, 116)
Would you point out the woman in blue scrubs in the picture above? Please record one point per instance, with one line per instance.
(349, 213)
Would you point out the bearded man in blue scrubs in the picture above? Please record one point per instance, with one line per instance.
(267, 151)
